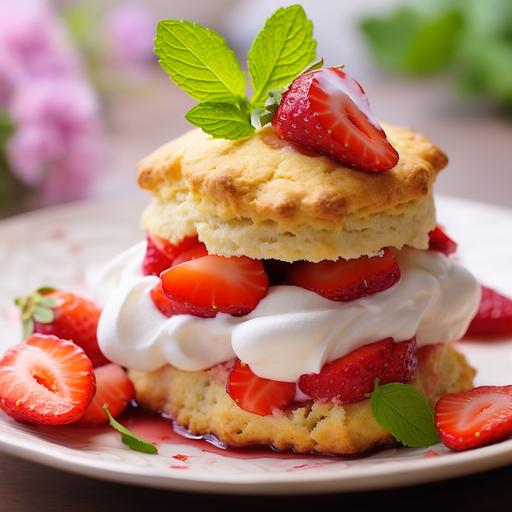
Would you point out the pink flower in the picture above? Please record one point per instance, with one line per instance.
(130, 31)
(32, 43)
(58, 141)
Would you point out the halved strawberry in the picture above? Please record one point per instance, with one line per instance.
(160, 253)
(327, 111)
(257, 395)
(346, 280)
(494, 316)
(214, 284)
(46, 380)
(65, 315)
(475, 418)
(440, 241)
(114, 388)
(349, 378)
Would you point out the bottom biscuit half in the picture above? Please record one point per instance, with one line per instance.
(198, 401)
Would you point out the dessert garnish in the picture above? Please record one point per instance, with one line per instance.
(113, 387)
(255, 394)
(323, 110)
(475, 418)
(346, 280)
(494, 316)
(350, 378)
(440, 241)
(404, 412)
(133, 441)
(212, 284)
(46, 380)
(65, 315)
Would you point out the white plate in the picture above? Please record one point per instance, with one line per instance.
(62, 246)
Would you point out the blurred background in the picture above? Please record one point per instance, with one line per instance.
(82, 97)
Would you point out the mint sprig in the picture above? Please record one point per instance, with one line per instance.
(280, 52)
(222, 120)
(131, 440)
(199, 61)
(406, 413)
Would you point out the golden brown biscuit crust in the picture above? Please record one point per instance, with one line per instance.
(254, 179)
(199, 402)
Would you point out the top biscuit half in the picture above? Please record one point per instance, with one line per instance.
(262, 197)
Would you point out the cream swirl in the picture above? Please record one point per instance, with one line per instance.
(292, 331)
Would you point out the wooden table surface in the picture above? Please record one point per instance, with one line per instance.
(29, 487)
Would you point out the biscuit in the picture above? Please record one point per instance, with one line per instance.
(261, 198)
(198, 401)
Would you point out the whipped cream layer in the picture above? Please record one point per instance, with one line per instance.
(292, 331)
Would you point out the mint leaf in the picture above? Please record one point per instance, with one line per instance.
(282, 49)
(199, 61)
(222, 120)
(129, 438)
(406, 413)
(413, 41)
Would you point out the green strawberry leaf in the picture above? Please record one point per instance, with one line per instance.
(43, 315)
(199, 61)
(406, 413)
(221, 120)
(131, 440)
(282, 49)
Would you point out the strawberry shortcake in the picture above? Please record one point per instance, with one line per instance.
(288, 276)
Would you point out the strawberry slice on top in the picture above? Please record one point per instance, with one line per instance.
(346, 280)
(474, 418)
(215, 284)
(255, 394)
(327, 111)
(46, 380)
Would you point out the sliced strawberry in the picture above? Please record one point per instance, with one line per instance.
(494, 316)
(257, 395)
(440, 241)
(161, 254)
(164, 304)
(114, 388)
(46, 380)
(214, 284)
(346, 280)
(349, 378)
(475, 418)
(65, 315)
(327, 111)
(192, 253)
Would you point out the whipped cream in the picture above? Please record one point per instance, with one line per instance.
(292, 331)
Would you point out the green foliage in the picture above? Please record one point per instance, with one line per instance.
(472, 39)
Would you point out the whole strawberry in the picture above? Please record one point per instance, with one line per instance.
(327, 111)
(65, 315)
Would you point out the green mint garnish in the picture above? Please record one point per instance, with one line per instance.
(406, 413)
(222, 120)
(129, 438)
(199, 61)
(280, 52)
